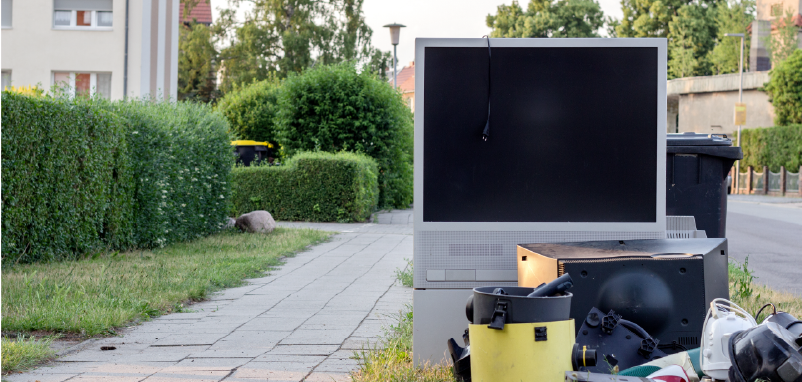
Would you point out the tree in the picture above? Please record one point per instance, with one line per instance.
(691, 38)
(335, 108)
(785, 90)
(782, 44)
(732, 16)
(197, 78)
(651, 18)
(547, 18)
(288, 36)
(251, 109)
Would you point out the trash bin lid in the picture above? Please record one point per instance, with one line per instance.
(697, 139)
(250, 143)
(709, 144)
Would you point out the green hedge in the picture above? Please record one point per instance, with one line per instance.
(318, 186)
(335, 108)
(88, 175)
(182, 157)
(773, 147)
(251, 110)
(67, 179)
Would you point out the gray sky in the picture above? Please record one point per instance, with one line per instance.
(433, 18)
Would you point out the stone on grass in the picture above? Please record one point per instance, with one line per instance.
(256, 221)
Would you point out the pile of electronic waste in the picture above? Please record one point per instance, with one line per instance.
(521, 334)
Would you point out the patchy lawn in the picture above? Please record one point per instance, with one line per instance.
(93, 296)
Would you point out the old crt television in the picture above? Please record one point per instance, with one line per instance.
(576, 152)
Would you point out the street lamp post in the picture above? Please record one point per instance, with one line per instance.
(740, 100)
(395, 33)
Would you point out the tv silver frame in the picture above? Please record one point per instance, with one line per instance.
(443, 277)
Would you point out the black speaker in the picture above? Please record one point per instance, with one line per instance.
(665, 285)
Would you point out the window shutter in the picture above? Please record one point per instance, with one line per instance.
(83, 5)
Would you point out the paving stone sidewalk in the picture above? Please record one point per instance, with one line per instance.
(301, 323)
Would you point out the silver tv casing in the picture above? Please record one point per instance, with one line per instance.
(451, 258)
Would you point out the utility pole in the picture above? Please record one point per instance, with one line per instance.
(740, 101)
(395, 33)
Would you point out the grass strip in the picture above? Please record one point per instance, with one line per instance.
(25, 352)
(391, 359)
(94, 295)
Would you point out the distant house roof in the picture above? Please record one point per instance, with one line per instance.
(406, 78)
(202, 12)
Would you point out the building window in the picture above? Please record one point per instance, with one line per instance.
(7, 12)
(83, 84)
(6, 79)
(82, 14)
(777, 10)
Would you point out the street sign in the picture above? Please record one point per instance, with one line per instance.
(740, 114)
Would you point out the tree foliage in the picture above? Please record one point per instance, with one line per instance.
(547, 18)
(691, 38)
(287, 36)
(197, 77)
(334, 108)
(732, 16)
(782, 44)
(251, 109)
(785, 90)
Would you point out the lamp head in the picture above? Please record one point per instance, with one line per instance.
(395, 32)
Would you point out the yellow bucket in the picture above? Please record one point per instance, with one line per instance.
(522, 352)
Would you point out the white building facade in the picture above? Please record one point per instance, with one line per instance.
(115, 48)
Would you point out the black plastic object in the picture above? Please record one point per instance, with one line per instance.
(515, 307)
(581, 356)
(788, 322)
(461, 358)
(616, 341)
(249, 154)
(663, 285)
(768, 352)
(556, 286)
(696, 184)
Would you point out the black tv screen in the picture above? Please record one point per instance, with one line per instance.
(573, 134)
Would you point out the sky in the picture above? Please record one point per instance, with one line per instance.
(432, 18)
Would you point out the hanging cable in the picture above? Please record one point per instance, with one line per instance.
(486, 131)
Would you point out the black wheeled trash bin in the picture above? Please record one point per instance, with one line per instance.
(696, 185)
(250, 151)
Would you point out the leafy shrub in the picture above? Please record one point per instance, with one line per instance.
(251, 110)
(182, 159)
(334, 108)
(81, 176)
(66, 179)
(311, 187)
(785, 90)
(773, 147)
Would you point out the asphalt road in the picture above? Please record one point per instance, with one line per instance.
(769, 231)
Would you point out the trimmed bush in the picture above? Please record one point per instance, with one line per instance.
(250, 110)
(773, 147)
(317, 186)
(66, 181)
(334, 108)
(182, 157)
(81, 176)
(785, 90)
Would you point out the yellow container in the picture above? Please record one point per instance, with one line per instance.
(250, 143)
(513, 355)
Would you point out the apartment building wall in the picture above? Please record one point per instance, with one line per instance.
(33, 48)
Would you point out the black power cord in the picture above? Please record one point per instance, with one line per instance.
(486, 131)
